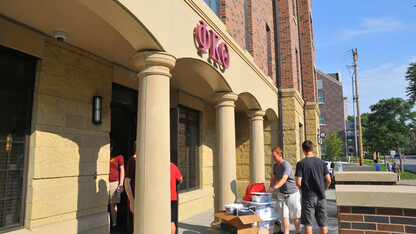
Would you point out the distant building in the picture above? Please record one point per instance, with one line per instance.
(331, 104)
(350, 137)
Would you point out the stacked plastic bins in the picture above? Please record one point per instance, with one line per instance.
(265, 210)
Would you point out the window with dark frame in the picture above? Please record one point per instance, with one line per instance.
(321, 97)
(322, 119)
(185, 129)
(17, 75)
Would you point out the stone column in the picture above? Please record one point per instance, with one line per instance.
(152, 192)
(312, 126)
(256, 146)
(225, 154)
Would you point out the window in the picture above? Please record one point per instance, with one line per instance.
(185, 145)
(322, 120)
(320, 97)
(320, 84)
(215, 6)
(16, 92)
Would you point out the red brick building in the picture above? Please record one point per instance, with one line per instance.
(331, 104)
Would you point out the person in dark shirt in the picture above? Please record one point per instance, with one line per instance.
(312, 178)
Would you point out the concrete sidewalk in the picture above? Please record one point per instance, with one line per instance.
(201, 222)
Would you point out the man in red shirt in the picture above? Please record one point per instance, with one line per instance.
(116, 179)
(175, 175)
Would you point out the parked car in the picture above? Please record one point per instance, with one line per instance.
(330, 166)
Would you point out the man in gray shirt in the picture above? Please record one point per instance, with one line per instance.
(289, 197)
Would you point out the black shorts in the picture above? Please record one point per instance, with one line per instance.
(173, 211)
(313, 207)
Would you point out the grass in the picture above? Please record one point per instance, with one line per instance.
(406, 175)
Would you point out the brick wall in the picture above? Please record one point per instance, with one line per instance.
(289, 44)
(246, 22)
(366, 220)
(308, 51)
(333, 106)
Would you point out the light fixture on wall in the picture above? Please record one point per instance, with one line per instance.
(97, 109)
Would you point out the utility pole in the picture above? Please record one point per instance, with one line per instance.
(360, 136)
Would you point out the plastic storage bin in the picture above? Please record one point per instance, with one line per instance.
(261, 197)
(266, 226)
(264, 210)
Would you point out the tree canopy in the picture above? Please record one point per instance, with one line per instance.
(333, 145)
(411, 78)
(389, 125)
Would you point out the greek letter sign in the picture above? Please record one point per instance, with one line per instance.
(208, 39)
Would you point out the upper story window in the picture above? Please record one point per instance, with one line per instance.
(322, 119)
(320, 84)
(214, 5)
(320, 97)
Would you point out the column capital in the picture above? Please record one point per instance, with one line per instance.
(225, 98)
(154, 63)
(255, 114)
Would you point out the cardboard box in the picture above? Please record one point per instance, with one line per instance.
(242, 224)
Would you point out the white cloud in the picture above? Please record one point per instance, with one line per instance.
(372, 25)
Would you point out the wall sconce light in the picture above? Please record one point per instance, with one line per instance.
(97, 102)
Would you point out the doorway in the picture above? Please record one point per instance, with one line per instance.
(17, 77)
(123, 133)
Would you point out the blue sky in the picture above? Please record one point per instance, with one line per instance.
(384, 33)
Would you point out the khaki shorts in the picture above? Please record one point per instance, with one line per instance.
(113, 193)
(289, 207)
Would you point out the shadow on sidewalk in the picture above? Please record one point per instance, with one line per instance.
(192, 229)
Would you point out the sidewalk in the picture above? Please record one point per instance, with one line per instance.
(201, 222)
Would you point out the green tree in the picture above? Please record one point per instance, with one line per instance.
(389, 126)
(333, 145)
(411, 78)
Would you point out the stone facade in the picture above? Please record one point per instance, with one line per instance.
(292, 126)
(68, 164)
(312, 126)
(243, 151)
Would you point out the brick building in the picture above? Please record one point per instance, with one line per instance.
(298, 76)
(331, 105)
(212, 110)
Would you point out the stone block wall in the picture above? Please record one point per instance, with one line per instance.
(270, 141)
(69, 155)
(243, 151)
(363, 220)
(312, 126)
(293, 133)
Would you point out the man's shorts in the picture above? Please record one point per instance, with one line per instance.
(173, 210)
(289, 207)
(313, 207)
(113, 192)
